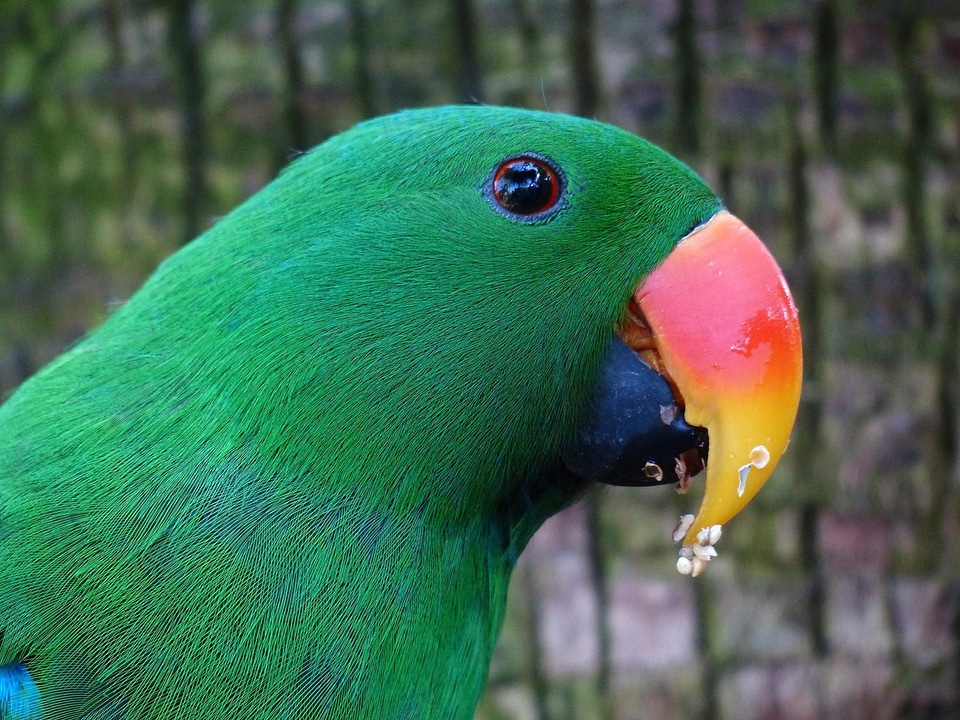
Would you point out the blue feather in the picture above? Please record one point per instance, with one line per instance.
(19, 696)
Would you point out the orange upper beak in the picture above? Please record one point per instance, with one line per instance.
(726, 329)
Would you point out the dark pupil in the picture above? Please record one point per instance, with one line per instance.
(524, 188)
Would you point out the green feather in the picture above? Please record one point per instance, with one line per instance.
(290, 477)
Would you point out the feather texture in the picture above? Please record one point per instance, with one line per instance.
(290, 476)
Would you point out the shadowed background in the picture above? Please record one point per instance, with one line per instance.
(832, 128)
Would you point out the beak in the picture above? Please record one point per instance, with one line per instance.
(635, 433)
(725, 335)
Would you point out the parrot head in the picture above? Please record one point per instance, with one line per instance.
(530, 304)
(291, 475)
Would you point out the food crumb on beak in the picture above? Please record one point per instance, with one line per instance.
(680, 531)
(653, 471)
(694, 557)
(759, 457)
(668, 413)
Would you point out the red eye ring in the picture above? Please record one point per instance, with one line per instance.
(526, 186)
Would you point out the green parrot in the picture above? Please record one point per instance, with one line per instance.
(289, 478)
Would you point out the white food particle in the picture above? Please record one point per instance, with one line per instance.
(715, 532)
(680, 531)
(759, 458)
(704, 551)
(743, 472)
(668, 413)
(653, 471)
(695, 556)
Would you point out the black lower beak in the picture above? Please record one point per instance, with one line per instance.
(634, 432)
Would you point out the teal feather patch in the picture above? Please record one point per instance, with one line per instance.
(19, 696)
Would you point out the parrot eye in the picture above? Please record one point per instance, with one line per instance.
(525, 186)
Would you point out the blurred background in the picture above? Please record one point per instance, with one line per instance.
(832, 128)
